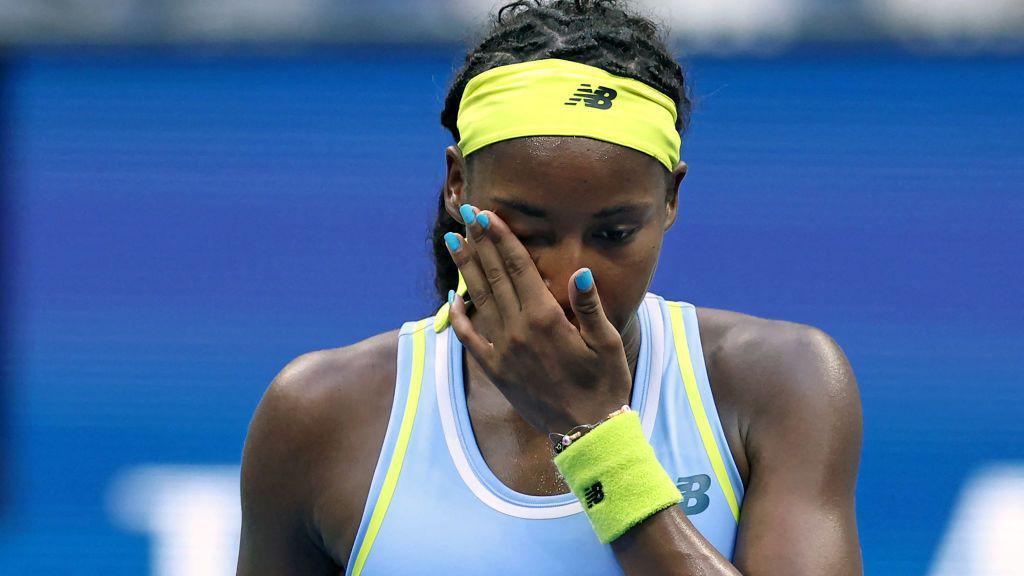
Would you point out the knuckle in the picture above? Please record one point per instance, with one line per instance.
(464, 262)
(517, 342)
(481, 299)
(547, 320)
(517, 268)
(494, 275)
(589, 306)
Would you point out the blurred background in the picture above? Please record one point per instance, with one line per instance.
(194, 193)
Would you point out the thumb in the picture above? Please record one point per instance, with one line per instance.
(595, 328)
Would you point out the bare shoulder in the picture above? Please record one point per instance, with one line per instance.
(321, 392)
(315, 438)
(773, 350)
(778, 380)
(323, 386)
(795, 408)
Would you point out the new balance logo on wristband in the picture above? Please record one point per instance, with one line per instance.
(600, 97)
(594, 494)
(693, 489)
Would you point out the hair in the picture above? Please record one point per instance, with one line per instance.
(602, 33)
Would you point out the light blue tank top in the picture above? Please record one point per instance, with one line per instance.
(435, 507)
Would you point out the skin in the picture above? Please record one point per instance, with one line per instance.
(785, 393)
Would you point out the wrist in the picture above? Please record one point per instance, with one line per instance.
(562, 440)
(615, 474)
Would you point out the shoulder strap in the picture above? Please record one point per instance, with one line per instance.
(682, 316)
(417, 332)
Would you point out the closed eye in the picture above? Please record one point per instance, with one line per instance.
(616, 236)
(540, 238)
(612, 236)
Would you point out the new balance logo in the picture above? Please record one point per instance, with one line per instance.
(600, 97)
(693, 489)
(594, 494)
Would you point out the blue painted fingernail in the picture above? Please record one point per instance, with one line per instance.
(484, 220)
(451, 296)
(584, 280)
(452, 241)
(467, 214)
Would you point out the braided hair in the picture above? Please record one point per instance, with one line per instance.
(600, 33)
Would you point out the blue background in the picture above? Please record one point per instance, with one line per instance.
(181, 224)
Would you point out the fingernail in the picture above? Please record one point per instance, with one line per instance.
(584, 280)
(452, 241)
(451, 296)
(467, 214)
(484, 220)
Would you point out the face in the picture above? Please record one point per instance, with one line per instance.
(575, 202)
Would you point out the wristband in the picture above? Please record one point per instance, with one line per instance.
(613, 471)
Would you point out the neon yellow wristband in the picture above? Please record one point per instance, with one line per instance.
(613, 471)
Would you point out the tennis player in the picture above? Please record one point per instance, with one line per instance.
(553, 417)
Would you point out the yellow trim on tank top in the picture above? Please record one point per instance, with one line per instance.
(685, 363)
(442, 318)
(387, 491)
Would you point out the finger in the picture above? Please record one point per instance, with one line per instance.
(500, 285)
(478, 346)
(595, 328)
(530, 288)
(479, 291)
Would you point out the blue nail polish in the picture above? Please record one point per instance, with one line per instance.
(451, 296)
(467, 214)
(584, 280)
(452, 241)
(484, 220)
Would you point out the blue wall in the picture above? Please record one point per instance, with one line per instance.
(181, 225)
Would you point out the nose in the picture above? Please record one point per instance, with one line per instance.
(562, 299)
(556, 264)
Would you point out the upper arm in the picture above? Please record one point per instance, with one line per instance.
(278, 536)
(803, 444)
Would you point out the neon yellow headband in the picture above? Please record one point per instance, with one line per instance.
(555, 97)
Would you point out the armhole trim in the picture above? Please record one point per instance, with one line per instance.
(380, 508)
(707, 435)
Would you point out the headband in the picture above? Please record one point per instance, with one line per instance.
(555, 97)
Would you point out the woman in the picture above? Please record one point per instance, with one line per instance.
(467, 454)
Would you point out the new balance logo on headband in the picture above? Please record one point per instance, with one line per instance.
(600, 97)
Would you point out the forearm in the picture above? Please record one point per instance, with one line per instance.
(667, 543)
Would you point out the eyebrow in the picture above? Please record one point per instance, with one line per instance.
(533, 211)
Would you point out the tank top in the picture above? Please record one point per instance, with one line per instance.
(435, 507)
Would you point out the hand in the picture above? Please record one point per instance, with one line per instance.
(554, 375)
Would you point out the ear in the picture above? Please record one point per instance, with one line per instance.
(455, 193)
(672, 195)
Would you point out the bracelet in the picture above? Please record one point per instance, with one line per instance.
(616, 476)
(563, 441)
